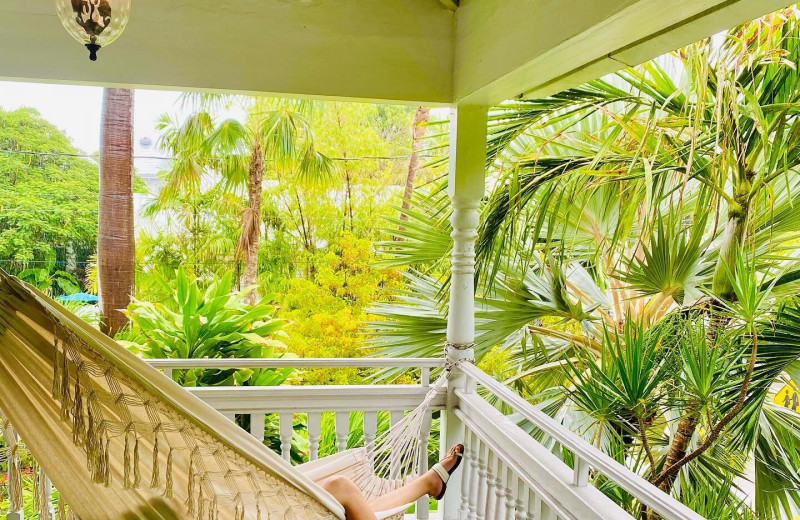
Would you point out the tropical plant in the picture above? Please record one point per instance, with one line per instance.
(50, 282)
(637, 260)
(214, 322)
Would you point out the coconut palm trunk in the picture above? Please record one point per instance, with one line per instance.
(420, 118)
(250, 236)
(115, 238)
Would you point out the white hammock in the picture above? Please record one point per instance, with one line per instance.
(121, 441)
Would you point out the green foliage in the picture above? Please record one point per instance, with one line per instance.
(640, 238)
(210, 323)
(45, 280)
(326, 314)
(48, 203)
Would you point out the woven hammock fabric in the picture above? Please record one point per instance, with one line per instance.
(121, 441)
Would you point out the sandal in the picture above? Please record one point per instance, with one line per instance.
(444, 474)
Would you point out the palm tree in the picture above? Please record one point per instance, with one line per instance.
(638, 263)
(115, 240)
(277, 134)
(421, 117)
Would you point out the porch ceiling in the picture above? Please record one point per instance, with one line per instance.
(414, 51)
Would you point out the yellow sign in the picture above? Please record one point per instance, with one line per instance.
(789, 397)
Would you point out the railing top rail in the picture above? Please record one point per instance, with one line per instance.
(665, 505)
(242, 363)
(301, 399)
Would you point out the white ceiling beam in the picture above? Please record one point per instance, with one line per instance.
(538, 47)
(386, 50)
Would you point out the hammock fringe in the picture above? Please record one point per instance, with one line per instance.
(14, 462)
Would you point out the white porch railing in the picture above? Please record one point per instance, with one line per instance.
(506, 474)
(525, 476)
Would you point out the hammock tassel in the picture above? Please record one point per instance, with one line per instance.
(42, 496)
(65, 397)
(107, 463)
(62, 509)
(92, 447)
(200, 501)
(213, 509)
(126, 463)
(155, 480)
(191, 487)
(37, 490)
(137, 473)
(169, 484)
(14, 466)
(56, 368)
(78, 426)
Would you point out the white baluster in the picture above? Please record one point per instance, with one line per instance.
(475, 478)
(511, 486)
(466, 477)
(314, 430)
(395, 416)
(490, 496)
(423, 506)
(168, 373)
(342, 430)
(425, 377)
(286, 430)
(499, 490)
(547, 512)
(522, 501)
(580, 477)
(483, 484)
(370, 431)
(230, 416)
(535, 506)
(257, 426)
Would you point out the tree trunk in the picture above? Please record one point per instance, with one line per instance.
(349, 196)
(251, 223)
(115, 238)
(732, 238)
(680, 445)
(418, 132)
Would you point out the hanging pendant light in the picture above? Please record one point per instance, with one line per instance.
(94, 23)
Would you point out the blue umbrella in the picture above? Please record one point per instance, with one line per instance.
(79, 297)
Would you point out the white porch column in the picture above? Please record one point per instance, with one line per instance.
(466, 187)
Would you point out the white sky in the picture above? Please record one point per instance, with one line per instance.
(76, 110)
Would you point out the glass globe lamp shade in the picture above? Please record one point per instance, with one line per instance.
(94, 23)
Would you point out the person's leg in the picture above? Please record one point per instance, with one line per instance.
(428, 484)
(348, 494)
(357, 508)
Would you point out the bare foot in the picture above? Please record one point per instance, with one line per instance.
(448, 462)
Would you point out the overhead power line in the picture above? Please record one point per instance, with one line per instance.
(162, 158)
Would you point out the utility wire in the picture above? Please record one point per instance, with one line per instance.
(87, 156)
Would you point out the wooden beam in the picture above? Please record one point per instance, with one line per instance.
(535, 47)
